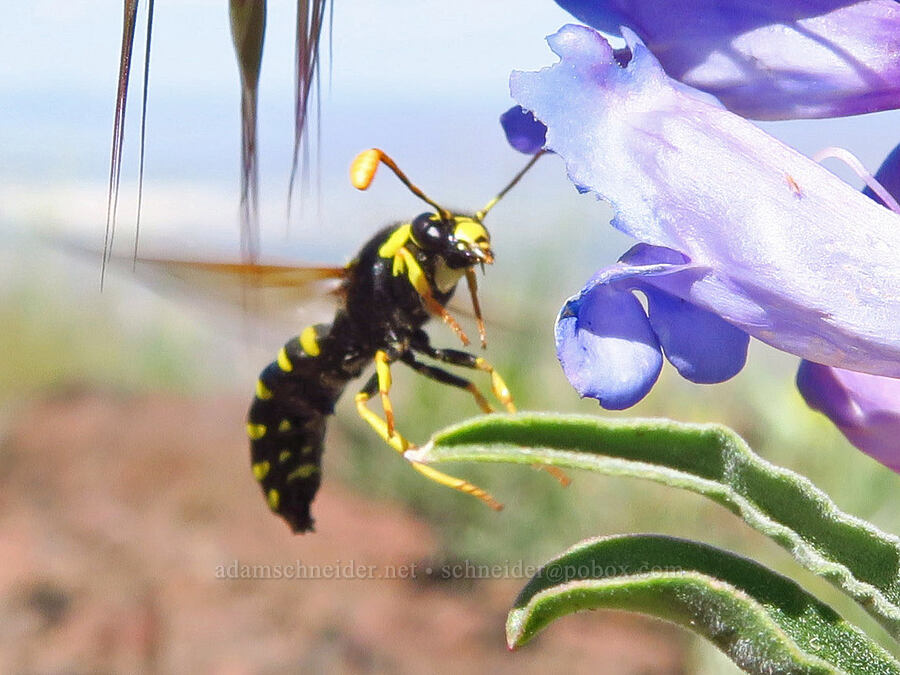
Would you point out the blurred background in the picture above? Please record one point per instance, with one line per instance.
(124, 482)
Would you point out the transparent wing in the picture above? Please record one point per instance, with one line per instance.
(286, 297)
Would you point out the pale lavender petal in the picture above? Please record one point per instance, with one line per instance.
(607, 348)
(866, 408)
(801, 260)
(523, 132)
(769, 60)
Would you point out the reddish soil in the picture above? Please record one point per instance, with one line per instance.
(117, 517)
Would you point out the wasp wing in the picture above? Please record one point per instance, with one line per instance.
(283, 296)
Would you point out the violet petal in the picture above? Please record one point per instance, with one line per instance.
(606, 347)
(703, 348)
(866, 408)
(523, 132)
(769, 60)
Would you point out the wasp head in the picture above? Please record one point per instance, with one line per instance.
(462, 241)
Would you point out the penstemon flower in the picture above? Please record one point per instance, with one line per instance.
(866, 408)
(740, 235)
(769, 60)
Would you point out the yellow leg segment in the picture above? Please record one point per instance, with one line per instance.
(498, 386)
(383, 370)
(417, 278)
(479, 399)
(501, 391)
(395, 440)
(401, 445)
(457, 484)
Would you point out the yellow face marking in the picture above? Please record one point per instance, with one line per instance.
(302, 471)
(256, 431)
(261, 470)
(472, 232)
(274, 499)
(283, 361)
(284, 456)
(262, 391)
(397, 239)
(308, 341)
(284, 425)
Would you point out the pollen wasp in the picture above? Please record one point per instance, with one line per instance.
(402, 276)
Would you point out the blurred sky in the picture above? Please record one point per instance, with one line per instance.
(425, 85)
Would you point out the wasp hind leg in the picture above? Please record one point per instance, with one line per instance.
(381, 382)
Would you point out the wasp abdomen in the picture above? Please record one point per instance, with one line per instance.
(286, 426)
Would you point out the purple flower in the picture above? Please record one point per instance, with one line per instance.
(769, 60)
(523, 132)
(866, 408)
(740, 234)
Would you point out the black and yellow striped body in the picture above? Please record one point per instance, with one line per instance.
(380, 310)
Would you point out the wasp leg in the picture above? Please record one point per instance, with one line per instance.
(444, 377)
(457, 358)
(498, 386)
(416, 276)
(383, 374)
(457, 484)
(401, 445)
(392, 438)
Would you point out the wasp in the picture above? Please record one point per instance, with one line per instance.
(404, 275)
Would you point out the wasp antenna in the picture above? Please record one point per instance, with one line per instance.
(481, 214)
(364, 166)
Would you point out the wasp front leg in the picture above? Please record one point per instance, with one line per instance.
(456, 357)
(444, 377)
(405, 262)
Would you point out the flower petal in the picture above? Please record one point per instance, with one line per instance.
(769, 60)
(698, 343)
(702, 347)
(607, 348)
(802, 261)
(866, 408)
(523, 132)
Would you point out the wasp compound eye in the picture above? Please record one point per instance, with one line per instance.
(428, 232)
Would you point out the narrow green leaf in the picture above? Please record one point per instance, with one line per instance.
(763, 621)
(248, 29)
(708, 459)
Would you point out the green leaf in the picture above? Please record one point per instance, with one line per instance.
(708, 459)
(763, 621)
